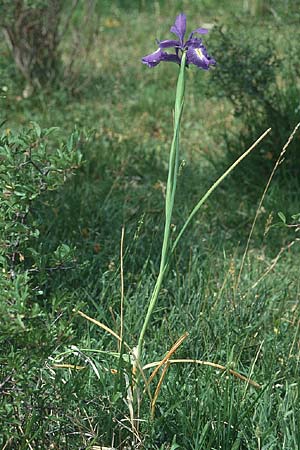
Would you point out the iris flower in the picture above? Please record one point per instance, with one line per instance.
(196, 53)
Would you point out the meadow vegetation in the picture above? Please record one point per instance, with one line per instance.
(83, 176)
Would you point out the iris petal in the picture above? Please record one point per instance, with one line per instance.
(194, 42)
(169, 43)
(153, 59)
(199, 31)
(171, 58)
(179, 28)
(199, 57)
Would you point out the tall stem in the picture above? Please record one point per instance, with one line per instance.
(169, 203)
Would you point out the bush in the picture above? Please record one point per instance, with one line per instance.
(30, 167)
(259, 77)
(34, 31)
(31, 30)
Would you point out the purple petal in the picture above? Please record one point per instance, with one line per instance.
(199, 57)
(179, 28)
(171, 58)
(153, 59)
(200, 31)
(169, 43)
(194, 42)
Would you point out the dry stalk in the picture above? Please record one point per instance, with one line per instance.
(104, 327)
(206, 363)
(159, 384)
(122, 288)
(278, 162)
(67, 366)
(271, 267)
(168, 356)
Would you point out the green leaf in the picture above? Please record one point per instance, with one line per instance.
(282, 217)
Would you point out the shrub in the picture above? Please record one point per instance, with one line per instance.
(34, 31)
(259, 77)
(31, 166)
(31, 30)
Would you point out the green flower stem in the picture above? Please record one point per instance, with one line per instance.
(170, 197)
(169, 204)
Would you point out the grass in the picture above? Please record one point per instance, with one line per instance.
(252, 328)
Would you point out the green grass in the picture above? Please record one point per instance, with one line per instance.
(252, 328)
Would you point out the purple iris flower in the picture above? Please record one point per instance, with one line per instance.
(196, 53)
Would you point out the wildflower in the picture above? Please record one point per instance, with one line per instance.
(196, 53)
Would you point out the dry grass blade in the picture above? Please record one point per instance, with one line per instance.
(67, 366)
(129, 401)
(168, 355)
(104, 327)
(136, 441)
(271, 267)
(279, 161)
(122, 288)
(159, 384)
(206, 363)
(96, 447)
(141, 370)
(8, 443)
(100, 324)
(27, 441)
